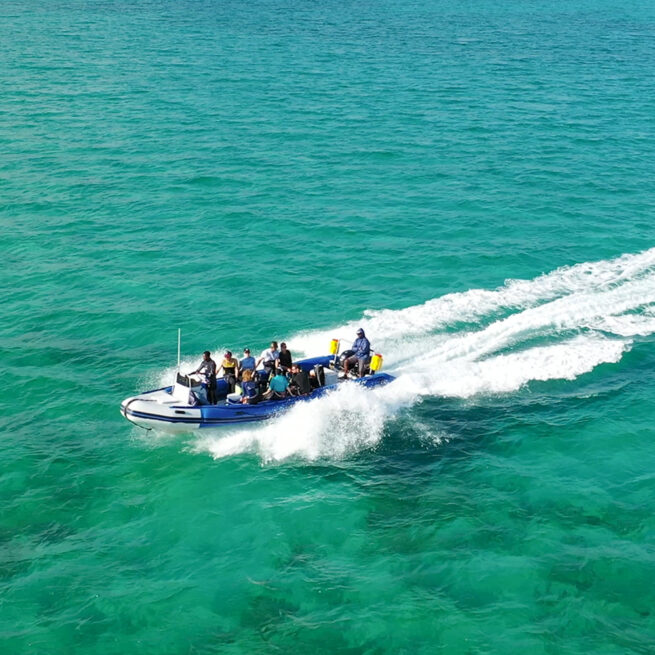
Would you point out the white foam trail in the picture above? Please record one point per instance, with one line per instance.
(386, 327)
(509, 372)
(557, 326)
(579, 311)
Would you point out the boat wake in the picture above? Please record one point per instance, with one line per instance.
(558, 326)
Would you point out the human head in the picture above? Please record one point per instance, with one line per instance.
(246, 351)
(247, 375)
(283, 346)
(228, 354)
(360, 332)
(274, 345)
(294, 368)
(206, 354)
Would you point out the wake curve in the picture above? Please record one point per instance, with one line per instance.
(558, 326)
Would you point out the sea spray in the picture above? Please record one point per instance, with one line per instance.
(340, 423)
(558, 326)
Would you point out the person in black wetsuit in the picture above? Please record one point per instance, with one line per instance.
(300, 384)
(284, 360)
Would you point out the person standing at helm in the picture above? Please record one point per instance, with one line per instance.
(230, 366)
(208, 369)
(269, 357)
(361, 354)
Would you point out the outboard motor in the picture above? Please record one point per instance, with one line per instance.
(344, 356)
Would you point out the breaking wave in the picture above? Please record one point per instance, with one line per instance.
(558, 326)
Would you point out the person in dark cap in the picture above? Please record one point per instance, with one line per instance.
(361, 354)
(247, 363)
(230, 366)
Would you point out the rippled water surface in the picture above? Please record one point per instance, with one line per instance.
(472, 182)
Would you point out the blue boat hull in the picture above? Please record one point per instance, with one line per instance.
(158, 409)
(237, 413)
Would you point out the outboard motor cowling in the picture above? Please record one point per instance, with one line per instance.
(344, 356)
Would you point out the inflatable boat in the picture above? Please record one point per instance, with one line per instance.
(183, 406)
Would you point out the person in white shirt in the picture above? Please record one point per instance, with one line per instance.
(269, 358)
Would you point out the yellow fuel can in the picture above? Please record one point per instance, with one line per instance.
(376, 363)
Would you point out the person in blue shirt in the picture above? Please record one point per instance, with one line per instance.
(247, 363)
(249, 388)
(277, 387)
(361, 354)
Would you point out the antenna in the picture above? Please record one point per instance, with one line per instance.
(179, 338)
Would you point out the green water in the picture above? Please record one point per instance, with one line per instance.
(472, 183)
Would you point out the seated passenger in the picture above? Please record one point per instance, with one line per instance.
(361, 354)
(299, 385)
(284, 359)
(247, 363)
(230, 366)
(269, 358)
(277, 387)
(249, 388)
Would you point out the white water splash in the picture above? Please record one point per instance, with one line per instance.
(333, 426)
(557, 326)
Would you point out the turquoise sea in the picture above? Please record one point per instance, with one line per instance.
(472, 181)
